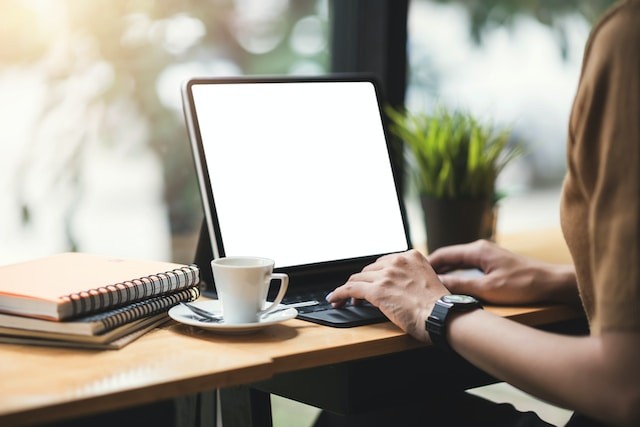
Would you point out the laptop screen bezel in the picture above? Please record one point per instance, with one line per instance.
(305, 271)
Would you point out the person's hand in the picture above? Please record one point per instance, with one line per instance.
(403, 286)
(508, 278)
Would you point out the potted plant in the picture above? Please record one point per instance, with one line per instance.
(455, 160)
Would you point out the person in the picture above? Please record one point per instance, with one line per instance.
(595, 375)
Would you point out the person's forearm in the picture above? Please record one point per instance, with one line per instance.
(562, 284)
(571, 372)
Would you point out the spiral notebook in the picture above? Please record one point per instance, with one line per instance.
(103, 322)
(73, 284)
(112, 340)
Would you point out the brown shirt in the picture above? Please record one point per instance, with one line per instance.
(600, 209)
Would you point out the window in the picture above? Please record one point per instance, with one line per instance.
(94, 152)
(514, 63)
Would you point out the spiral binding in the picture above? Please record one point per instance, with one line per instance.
(119, 316)
(103, 297)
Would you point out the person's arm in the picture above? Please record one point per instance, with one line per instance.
(595, 375)
(508, 278)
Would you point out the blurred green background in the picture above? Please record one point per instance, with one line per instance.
(94, 152)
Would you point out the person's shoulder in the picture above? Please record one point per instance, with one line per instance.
(620, 25)
(616, 35)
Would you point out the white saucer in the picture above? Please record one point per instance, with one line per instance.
(182, 314)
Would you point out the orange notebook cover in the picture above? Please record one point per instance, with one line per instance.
(73, 284)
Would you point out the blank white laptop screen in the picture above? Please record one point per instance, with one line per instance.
(299, 171)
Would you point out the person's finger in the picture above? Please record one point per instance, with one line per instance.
(363, 276)
(351, 289)
(376, 266)
(356, 301)
(380, 263)
(457, 256)
(339, 299)
(461, 284)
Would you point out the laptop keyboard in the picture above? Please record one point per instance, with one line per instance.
(312, 307)
(316, 300)
(317, 296)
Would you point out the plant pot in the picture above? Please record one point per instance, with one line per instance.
(455, 221)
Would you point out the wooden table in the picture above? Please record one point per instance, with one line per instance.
(46, 384)
(49, 384)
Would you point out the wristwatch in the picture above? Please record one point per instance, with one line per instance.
(436, 323)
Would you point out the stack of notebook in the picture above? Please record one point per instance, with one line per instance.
(84, 300)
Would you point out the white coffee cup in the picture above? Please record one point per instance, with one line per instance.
(242, 284)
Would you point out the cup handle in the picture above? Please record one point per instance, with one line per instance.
(284, 284)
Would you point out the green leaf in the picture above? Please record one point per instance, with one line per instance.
(453, 154)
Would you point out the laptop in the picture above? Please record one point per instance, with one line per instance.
(296, 169)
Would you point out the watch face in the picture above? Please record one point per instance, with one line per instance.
(459, 299)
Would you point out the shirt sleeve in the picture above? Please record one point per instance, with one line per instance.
(608, 155)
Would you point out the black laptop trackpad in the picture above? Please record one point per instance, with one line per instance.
(347, 317)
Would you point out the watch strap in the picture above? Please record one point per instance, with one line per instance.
(436, 323)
